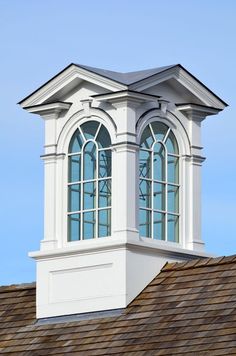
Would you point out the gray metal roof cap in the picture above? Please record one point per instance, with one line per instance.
(126, 78)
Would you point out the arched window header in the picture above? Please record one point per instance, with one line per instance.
(91, 130)
(159, 132)
(159, 183)
(89, 182)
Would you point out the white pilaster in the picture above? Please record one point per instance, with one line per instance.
(50, 113)
(192, 184)
(125, 191)
(50, 239)
(125, 172)
(125, 176)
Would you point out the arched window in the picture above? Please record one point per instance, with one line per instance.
(89, 182)
(159, 183)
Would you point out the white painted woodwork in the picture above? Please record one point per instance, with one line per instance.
(108, 273)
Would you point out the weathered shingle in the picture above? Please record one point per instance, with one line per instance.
(188, 309)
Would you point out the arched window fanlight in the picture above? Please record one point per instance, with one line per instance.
(89, 182)
(159, 183)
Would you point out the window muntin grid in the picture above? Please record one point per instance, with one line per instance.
(159, 183)
(89, 182)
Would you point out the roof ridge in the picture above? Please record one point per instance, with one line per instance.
(14, 287)
(125, 78)
(129, 72)
(199, 262)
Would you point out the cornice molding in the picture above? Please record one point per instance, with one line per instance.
(197, 112)
(151, 246)
(195, 159)
(187, 80)
(73, 72)
(198, 89)
(153, 80)
(64, 78)
(50, 108)
(126, 96)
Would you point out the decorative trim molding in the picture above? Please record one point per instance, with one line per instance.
(50, 108)
(197, 112)
(125, 95)
(152, 246)
(64, 78)
(182, 76)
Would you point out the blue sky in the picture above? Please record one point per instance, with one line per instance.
(39, 38)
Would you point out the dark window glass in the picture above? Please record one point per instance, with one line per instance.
(104, 223)
(89, 168)
(76, 142)
(90, 156)
(89, 129)
(74, 227)
(159, 183)
(74, 168)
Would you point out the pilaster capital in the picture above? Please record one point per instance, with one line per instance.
(196, 112)
(51, 157)
(128, 98)
(194, 159)
(125, 146)
(49, 111)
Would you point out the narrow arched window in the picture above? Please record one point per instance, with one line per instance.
(89, 182)
(159, 183)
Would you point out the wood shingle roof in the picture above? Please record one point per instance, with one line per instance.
(188, 309)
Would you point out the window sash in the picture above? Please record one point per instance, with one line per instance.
(167, 204)
(102, 166)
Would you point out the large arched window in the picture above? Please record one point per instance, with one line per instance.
(89, 182)
(159, 183)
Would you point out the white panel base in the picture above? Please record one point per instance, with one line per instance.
(95, 279)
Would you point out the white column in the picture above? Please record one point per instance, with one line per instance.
(49, 241)
(125, 172)
(193, 184)
(50, 178)
(51, 113)
(125, 191)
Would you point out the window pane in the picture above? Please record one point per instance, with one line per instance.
(89, 190)
(74, 227)
(173, 199)
(74, 168)
(104, 199)
(145, 164)
(173, 169)
(171, 144)
(147, 138)
(159, 130)
(90, 161)
(104, 163)
(145, 194)
(74, 197)
(104, 223)
(173, 228)
(159, 196)
(89, 225)
(103, 138)
(89, 129)
(145, 223)
(159, 162)
(76, 142)
(159, 226)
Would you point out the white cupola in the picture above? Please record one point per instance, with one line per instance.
(122, 182)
